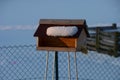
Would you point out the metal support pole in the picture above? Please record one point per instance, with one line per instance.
(53, 68)
(56, 65)
(46, 69)
(75, 66)
(69, 76)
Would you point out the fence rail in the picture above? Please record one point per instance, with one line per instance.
(105, 40)
(24, 62)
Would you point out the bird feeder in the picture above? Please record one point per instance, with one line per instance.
(61, 34)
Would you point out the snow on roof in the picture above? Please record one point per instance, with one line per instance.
(62, 31)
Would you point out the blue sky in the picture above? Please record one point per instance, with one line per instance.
(19, 18)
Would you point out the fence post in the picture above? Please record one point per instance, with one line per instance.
(116, 44)
(97, 38)
(56, 65)
(114, 25)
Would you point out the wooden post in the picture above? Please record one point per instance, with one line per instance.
(114, 25)
(116, 44)
(56, 65)
(97, 38)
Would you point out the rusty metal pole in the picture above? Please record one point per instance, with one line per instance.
(56, 65)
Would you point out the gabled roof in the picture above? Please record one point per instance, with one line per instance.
(62, 21)
(45, 23)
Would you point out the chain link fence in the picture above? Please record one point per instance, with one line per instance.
(24, 62)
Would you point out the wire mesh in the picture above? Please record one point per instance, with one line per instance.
(24, 62)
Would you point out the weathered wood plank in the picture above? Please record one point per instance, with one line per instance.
(91, 39)
(107, 38)
(91, 48)
(107, 34)
(93, 36)
(63, 21)
(107, 52)
(57, 49)
(105, 47)
(106, 43)
(92, 33)
(110, 27)
(59, 42)
(113, 26)
(91, 43)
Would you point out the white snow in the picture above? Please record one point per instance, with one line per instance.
(62, 31)
(91, 66)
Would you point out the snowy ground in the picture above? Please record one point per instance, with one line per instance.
(25, 63)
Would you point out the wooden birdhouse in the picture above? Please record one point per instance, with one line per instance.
(61, 34)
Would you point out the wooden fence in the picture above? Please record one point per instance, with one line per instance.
(105, 39)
